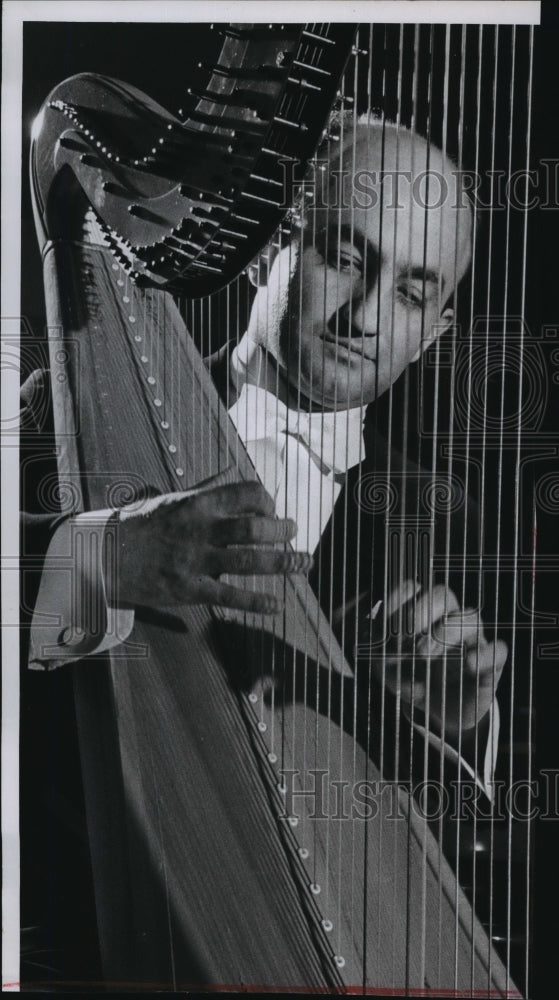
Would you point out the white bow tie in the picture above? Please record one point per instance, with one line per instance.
(334, 439)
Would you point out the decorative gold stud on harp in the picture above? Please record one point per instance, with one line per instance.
(218, 748)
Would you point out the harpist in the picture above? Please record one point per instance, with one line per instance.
(403, 688)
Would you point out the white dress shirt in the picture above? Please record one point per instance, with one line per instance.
(301, 458)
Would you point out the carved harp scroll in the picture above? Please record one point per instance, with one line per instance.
(216, 747)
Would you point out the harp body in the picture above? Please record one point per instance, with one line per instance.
(223, 854)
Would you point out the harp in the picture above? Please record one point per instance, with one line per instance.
(224, 855)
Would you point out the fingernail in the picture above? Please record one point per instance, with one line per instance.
(289, 529)
(301, 562)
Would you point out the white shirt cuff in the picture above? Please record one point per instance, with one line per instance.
(72, 618)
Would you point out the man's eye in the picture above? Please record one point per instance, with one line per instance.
(411, 294)
(345, 258)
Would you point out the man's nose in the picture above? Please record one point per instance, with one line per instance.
(361, 313)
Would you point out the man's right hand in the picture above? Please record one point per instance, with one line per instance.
(173, 549)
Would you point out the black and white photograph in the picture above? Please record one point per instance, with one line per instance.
(280, 498)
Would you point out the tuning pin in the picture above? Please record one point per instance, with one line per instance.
(68, 143)
(299, 81)
(319, 39)
(214, 255)
(330, 136)
(279, 155)
(206, 267)
(214, 199)
(311, 68)
(177, 246)
(234, 233)
(301, 126)
(266, 180)
(244, 218)
(141, 212)
(89, 160)
(204, 220)
(111, 188)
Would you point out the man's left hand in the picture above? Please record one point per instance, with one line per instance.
(437, 658)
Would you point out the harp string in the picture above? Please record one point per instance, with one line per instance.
(364, 44)
(504, 353)
(527, 879)
(333, 150)
(336, 541)
(436, 421)
(358, 611)
(517, 522)
(468, 403)
(416, 554)
(534, 523)
(338, 150)
(483, 474)
(436, 349)
(389, 537)
(201, 414)
(389, 579)
(462, 596)
(209, 349)
(405, 555)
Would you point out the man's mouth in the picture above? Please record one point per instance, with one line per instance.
(364, 347)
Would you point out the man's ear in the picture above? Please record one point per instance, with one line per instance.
(431, 335)
(259, 267)
(447, 317)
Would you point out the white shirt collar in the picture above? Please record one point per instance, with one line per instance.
(345, 426)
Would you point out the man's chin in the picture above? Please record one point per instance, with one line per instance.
(326, 401)
(310, 391)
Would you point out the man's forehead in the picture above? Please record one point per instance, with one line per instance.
(409, 168)
(395, 190)
(391, 148)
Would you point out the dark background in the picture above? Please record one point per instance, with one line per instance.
(59, 938)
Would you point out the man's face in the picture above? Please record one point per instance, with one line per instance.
(362, 293)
